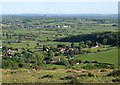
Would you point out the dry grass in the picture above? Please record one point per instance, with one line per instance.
(32, 76)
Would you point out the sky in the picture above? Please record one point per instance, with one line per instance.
(59, 7)
(59, 0)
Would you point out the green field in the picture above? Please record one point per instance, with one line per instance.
(110, 56)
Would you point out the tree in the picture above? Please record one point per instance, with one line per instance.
(72, 45)
(80, 49)
(82, 44)
(4, 50)
(89, 43)
(48, 59)
(9, 64)
(39, 60)
(65, 62)
(61, 45)
(7, 35)
(44, 48)
(51, 53)
(52, 48)
(72, 61)
(3, 34)
(105, 41)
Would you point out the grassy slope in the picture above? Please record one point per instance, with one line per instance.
(32, 76)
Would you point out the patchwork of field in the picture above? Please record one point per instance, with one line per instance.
(33, 53)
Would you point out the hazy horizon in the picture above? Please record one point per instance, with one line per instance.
(15, 8)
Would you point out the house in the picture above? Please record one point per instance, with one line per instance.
(11, 52)
(12, 41)
(61, 49)
(96, 45)
(65, 26)
(77, 63)
(29, 38)
(69, 50)
(58, 26)
(54, 60)
(17, 36)
(72, 51)
(47, 49)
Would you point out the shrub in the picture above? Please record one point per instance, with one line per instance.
(9, 64)
(98, 50)
(70, 71)
(90, 75)
(59, 63)
(116, 80)
(82, 75)
(86, 62)
(72, 62)
(63, 62)
(47, 76)
(13, 72)
(103, 70)
(48, 61)
(94, 62)
(74, 81)
(20, 65)
(67, 77)
(86, 75)
(104, 65)
(114, 73)
(89, 66)
(57, 54)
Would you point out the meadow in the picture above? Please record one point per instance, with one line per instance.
(109, 56)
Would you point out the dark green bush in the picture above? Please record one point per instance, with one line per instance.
(89, 66)
(114, 73)
(116, 80)
(74, 81)
(86, 62)
(90, 75)
(67, 77)
(103, 70)
(47, 76)
(82, 75)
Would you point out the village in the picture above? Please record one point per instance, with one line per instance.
(67, 51)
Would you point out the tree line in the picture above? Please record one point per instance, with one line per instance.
(105, 38)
